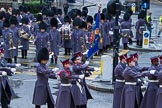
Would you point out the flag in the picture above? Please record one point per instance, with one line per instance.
(94, 37)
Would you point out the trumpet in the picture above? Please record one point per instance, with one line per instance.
(11, 43)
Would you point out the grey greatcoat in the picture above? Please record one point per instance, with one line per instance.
(103, 35)
(149, 100)
(64, 97)
(7, 53)
(78, 88)
(41, 41)
(25, 41)
(139, 28)
(42, 89)
(118, 88)
(131, 97)
(55, 41)
(125, 31)
(76, 36)
(16, 40)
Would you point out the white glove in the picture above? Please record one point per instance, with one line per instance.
(4, 73)
(81, 76)
(87, 62)
(85, 52)
(17, 65)
(152, 71)
(96, 69)
(2, 43)
(55, 69)
(13, 70)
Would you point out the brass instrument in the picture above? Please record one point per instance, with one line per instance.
(23, 34)
(31, 39)
(19, 44)
(11, 43)
(51, 54)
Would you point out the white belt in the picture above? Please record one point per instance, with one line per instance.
(153, 80)
(160, 86)
(125, 29)
(120, 80)
(66, 85)
(130, 83)
(142, 26)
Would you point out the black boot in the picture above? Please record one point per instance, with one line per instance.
(56, 59)
(52, 60)
(15, 59)
(137, 43)
(69, 51)
(130, 41)
(66, 51)
(140, 43)
(25, 53)
(22, 54)
(125, 46)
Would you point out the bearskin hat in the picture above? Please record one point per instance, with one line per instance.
(25, 20)
(50, 13)
(78, 12)
(54, 10)
(25, 9)
(6, 23)
(90, 19)
(2, 15)
(77, 22)
(102, 16)
(84, 13)
(14, 12)
(44, 11)
(54, 22)
(67, 19)
(85, 9)
(39, 17)
(126, 16)
(21, 8)
(129, 10)
(13, 20)
(43, 25)
(72, 14)
(84, 24)
(43, 54)
(59, 12)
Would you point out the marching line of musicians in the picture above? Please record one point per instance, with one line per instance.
(127, 89)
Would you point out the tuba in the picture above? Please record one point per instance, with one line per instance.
(11, 43)
(23, 34)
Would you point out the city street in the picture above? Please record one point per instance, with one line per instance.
(24, 81)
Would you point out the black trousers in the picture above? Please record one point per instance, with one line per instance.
(52, 59)
(9, 60)
(15, 59)
(67, 51)
(24, 53)
(49, 103)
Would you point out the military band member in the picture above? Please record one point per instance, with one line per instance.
(84, 15)
(25, 35)
(16, 37)
(76, 36)
(66, 35)
(42, 37)
(42, 93)
(131, 95)
(126, 30)
(55, 38)
(8, 41)
(120, 82)
(149, 100)
(65, 93)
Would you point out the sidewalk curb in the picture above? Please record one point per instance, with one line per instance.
(130, 47)
(156, 2)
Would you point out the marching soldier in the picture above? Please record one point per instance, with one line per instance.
(78, 89)
(24, 35)
(54, 40)
(76, 36)
(65, 92)
(140, 27)
(16, 37)
(42, 93)
(126, 30)
(149, 100)
(8, 41)
(120, 82)
(89, 21)
(42, 37)
(131, 96)
(66, 35)
(84, 15)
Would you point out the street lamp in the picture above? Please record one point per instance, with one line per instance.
(114, 8)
